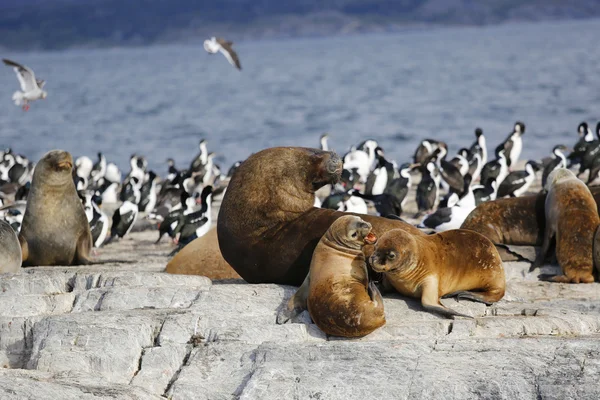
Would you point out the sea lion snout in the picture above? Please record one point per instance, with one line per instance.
(366, 232)
(382, 261)
(65, 165)
(360, 230)
(391, 251)
(329, 170)
(334, 164)
(59, 160)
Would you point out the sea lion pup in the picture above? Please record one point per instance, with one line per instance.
(571, 215)
(55, 230)
(340, 299)
(267, 225)
(456, 263)
(10, 249)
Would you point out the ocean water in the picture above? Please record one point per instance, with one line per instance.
(398, 88)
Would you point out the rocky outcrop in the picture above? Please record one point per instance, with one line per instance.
(125, 329)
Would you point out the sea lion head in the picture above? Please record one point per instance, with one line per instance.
(351, 231)
(327, 169)
(395, 250)
(274, 186)
(55, 168)
(558, 175)
(302, 167)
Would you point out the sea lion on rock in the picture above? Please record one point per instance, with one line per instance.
(514, 221)
(55, 229)
(457, 263)
(571, 216)
(267, 225)
(337, 292)
(10, 249)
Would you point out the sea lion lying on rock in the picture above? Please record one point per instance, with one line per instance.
(513, 221)
(571, 216)
(55, 230)
(516, 221)
(457, 263)
(337, 292)
(268, 228)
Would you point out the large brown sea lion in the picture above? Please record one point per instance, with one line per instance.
(337, 292)
(457, 263)
(10, 249)
(55, 230)
(571, 216)
(268, 228)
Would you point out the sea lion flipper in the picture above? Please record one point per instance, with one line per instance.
(376, 298)
(82, 250)
(296, 304)
(374, 293)
(24, 248)
(431, 301)
(565, 279)
(466, 295)
(541, 256)
(445, 312)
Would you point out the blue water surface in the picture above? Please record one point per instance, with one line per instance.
(398, 88)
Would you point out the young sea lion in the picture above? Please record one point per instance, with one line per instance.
(571, 215)
(10, 249)
(55, 229)
(340, 299)
(456, 263)
(268, 227)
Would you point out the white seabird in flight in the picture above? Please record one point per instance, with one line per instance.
(31, 88)
(214, 44)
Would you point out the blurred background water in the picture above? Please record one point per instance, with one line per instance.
(399, 88)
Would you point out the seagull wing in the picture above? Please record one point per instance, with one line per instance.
(24, 74)
(224, 42)
(40, 83)
(229, 53)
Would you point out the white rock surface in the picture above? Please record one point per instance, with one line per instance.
(124, 329)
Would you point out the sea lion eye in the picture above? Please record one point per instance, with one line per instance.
(391, 256)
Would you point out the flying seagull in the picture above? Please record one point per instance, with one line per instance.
(218, 44)
(31, 88)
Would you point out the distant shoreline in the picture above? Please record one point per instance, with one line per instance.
(286, 27)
